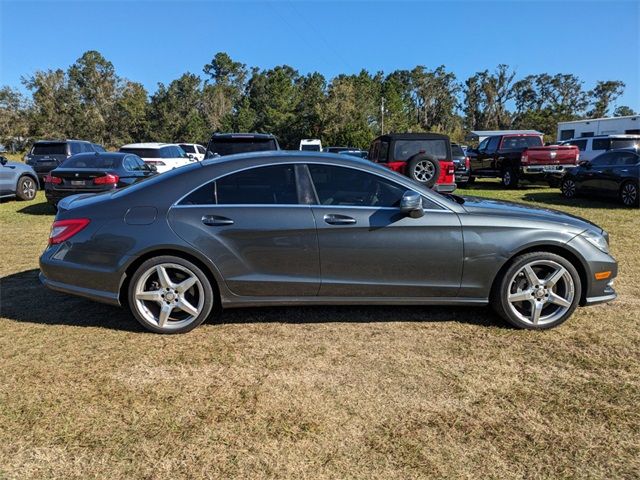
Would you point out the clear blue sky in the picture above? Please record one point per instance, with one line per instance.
(156, 41)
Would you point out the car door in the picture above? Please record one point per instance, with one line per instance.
(618, 169)
(7, 177)
(476, 156)
(368, 248)
(592, 177)
(253, 227)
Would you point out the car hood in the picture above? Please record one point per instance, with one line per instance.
(504, 209)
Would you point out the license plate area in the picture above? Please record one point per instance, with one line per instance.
(78, 183)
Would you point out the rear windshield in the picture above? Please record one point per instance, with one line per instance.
(456, 151)
(92, 161)
(49, 149)
(143, 152)
(521, 142)
(624, 142)
(405, 149)
(310, 148)
(188, 148)
(241, 145)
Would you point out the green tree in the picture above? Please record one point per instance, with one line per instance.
(603, 95)
(14, 126)
(623, 111)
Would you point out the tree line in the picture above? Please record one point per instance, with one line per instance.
(91, 101)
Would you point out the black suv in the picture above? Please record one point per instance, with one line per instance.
(45, 155)
(230, 143)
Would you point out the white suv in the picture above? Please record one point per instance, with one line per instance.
(194, 150)
(311, 145)
(591, 147)
(163, 156)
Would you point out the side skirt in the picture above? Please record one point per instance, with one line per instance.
(236, 302)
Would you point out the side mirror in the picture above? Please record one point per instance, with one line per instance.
(3, 161)
(585, 164)
(411, 204)
(152, 168)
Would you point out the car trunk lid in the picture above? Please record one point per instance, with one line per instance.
(551, 155)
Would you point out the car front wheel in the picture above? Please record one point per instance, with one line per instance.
(568, 188)
(169, 294)
(539, 290)
(629, 194)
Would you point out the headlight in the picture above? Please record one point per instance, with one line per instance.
(597, 240)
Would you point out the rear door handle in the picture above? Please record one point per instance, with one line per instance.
(216, 221)
(335, 219)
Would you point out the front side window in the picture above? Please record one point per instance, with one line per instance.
(200, 149)
(188, 148)
(350, 187)
(483, 144)
(271, 185)
(492, 146)
(581, 144)
(142, 152)
(624, 143)
(602, 160)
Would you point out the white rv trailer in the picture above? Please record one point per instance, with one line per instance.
(599, 126)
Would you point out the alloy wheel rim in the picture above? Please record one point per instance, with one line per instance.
(629, 194)
(28, 188)
(424, 171)
(169, 296)
(569, 188)
(540, 292)
(506, 178)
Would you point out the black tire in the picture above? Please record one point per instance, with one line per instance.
(509, 178)
(555, 314)
(424, 169)
(553, 182)
(569, 188)
(147, 280)
(471, 180)
(629, 195)
(26, 188)
(462, 184)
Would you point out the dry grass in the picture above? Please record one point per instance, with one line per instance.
(316, 392)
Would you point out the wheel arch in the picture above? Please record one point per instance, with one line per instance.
(560, 250)
(202, 264)
(31, 176)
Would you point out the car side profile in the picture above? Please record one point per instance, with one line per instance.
(591, 147)
(162, 156)
(614, 174)
(17, 180)
(294, 228)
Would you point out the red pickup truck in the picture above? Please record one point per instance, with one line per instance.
(514, 157)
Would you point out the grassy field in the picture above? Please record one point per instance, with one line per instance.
(316, 392)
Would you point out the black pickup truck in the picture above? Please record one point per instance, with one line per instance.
(520, 156)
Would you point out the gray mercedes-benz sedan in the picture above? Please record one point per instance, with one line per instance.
(293, 228)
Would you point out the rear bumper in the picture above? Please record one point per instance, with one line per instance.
(54, 196)
(444, 187)
(95, 295)
(546, 170)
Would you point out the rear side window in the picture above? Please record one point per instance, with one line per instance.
(601, 144)
(581, 144)
(49, 149)
(272, 185)
(188, 148)
(624, 142)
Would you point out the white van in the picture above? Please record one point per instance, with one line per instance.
(591, 147)
(311, 145)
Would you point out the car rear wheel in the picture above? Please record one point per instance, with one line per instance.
(26, 188)
(169, 294)
(509, 178)
(629, 194)
(424, 169)
(539, 290)
(568, 188)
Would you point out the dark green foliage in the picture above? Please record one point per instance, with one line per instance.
(89, 100)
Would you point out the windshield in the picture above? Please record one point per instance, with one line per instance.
(143, 152)
(405, 149)
(49, 149)
(92, 161)
(188, 148)
(241, 145)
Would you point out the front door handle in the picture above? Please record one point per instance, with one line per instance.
(335, 219)
(216, 220)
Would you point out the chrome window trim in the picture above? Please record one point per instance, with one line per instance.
(407, 185)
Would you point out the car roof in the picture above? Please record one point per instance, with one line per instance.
(148, 145)
(243, 135)
(413, 136)
(113, 155)
(292, 156)
(61, 141)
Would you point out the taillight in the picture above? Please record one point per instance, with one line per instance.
(524, 158)
(451, 169)
(63, 230)
(108, 179)
(467, 163)
(52, 179)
